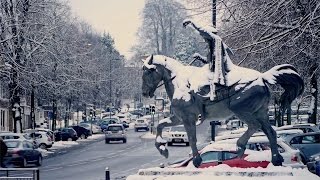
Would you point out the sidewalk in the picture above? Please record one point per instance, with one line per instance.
(62, 147)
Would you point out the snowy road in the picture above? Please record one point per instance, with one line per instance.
(89, 163)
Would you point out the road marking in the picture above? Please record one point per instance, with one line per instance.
(52, 169)
(157, 160)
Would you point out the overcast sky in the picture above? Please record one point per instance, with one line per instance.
(121, 18)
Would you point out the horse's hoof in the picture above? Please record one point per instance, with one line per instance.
(197, 160)
(240, 151)
(277, 160)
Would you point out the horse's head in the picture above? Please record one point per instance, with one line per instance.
(151, 77)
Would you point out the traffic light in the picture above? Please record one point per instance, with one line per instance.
(153, 109)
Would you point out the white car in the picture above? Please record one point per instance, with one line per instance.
(290, 155)
(11, 135)
(177, 134)
(141, 124)
(43, 140)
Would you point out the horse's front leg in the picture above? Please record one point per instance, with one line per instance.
(160, 142)
(243, 140)
(190, 126)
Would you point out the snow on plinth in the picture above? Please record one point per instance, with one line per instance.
(223, 172)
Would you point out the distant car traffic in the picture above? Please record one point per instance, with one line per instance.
(82, 132)
(307, 143)
(66, 134)
(177, 134)
(115, 132)
(22, 153)
(106, 121)
(141, 124)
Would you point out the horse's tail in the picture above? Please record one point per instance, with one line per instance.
(287, 76)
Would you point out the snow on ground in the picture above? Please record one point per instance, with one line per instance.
(148, 135)
(66, 144)
(223, 172)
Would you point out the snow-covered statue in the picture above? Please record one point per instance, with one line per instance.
(245, 93)
(217, 57)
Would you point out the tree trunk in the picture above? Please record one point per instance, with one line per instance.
(314, 94)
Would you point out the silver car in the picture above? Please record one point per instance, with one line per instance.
(308, 144)
(115, 132)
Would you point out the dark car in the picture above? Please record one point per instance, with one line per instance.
(66, 134)
(314, 164)
(22, 153)
(307, 143)
(105, 122)
(82, 132)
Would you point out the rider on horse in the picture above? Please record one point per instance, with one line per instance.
(217, 57)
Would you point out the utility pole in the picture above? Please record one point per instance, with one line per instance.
(214, 23)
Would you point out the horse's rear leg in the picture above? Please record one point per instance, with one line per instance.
(160, 142)
(243, 140)
(277, 159)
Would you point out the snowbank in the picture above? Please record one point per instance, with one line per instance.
(223, 172)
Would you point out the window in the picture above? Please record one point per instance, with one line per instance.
(12, 144)
(309, 139)
(296, 140)
(210, 157)
(114, 128)
(230, 155)
(280, 149)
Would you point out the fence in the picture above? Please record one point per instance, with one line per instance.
(19, 174)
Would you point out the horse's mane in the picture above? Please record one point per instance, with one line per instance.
(171, 64)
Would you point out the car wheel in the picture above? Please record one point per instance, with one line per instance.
(187, 144)
(69, 139)
(106, 141)
(24, 162)
(136, 130)
(43, 146)
(39, 162)
(124, 141)
(169, 143)
(83, 136)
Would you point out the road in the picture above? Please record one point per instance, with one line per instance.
(89, 163)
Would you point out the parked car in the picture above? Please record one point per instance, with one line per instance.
(213, 155)
(141, 124)
(42, 139)
(233, 124)
(21, 136)
(290, 154)
(306, 127)
(314, 164)
(177, 134)
(115, 132)
(66, 134)
(22, 153)
(82, 132)
(48, 131)
(308, 144)
(95, 128)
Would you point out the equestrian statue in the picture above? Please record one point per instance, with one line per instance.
(218, 90)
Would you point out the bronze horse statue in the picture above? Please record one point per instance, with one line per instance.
(247, 96)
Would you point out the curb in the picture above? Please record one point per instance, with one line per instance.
(68, 149)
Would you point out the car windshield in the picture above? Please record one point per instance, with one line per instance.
(114, 128)
(178, 128)
(12, 144)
